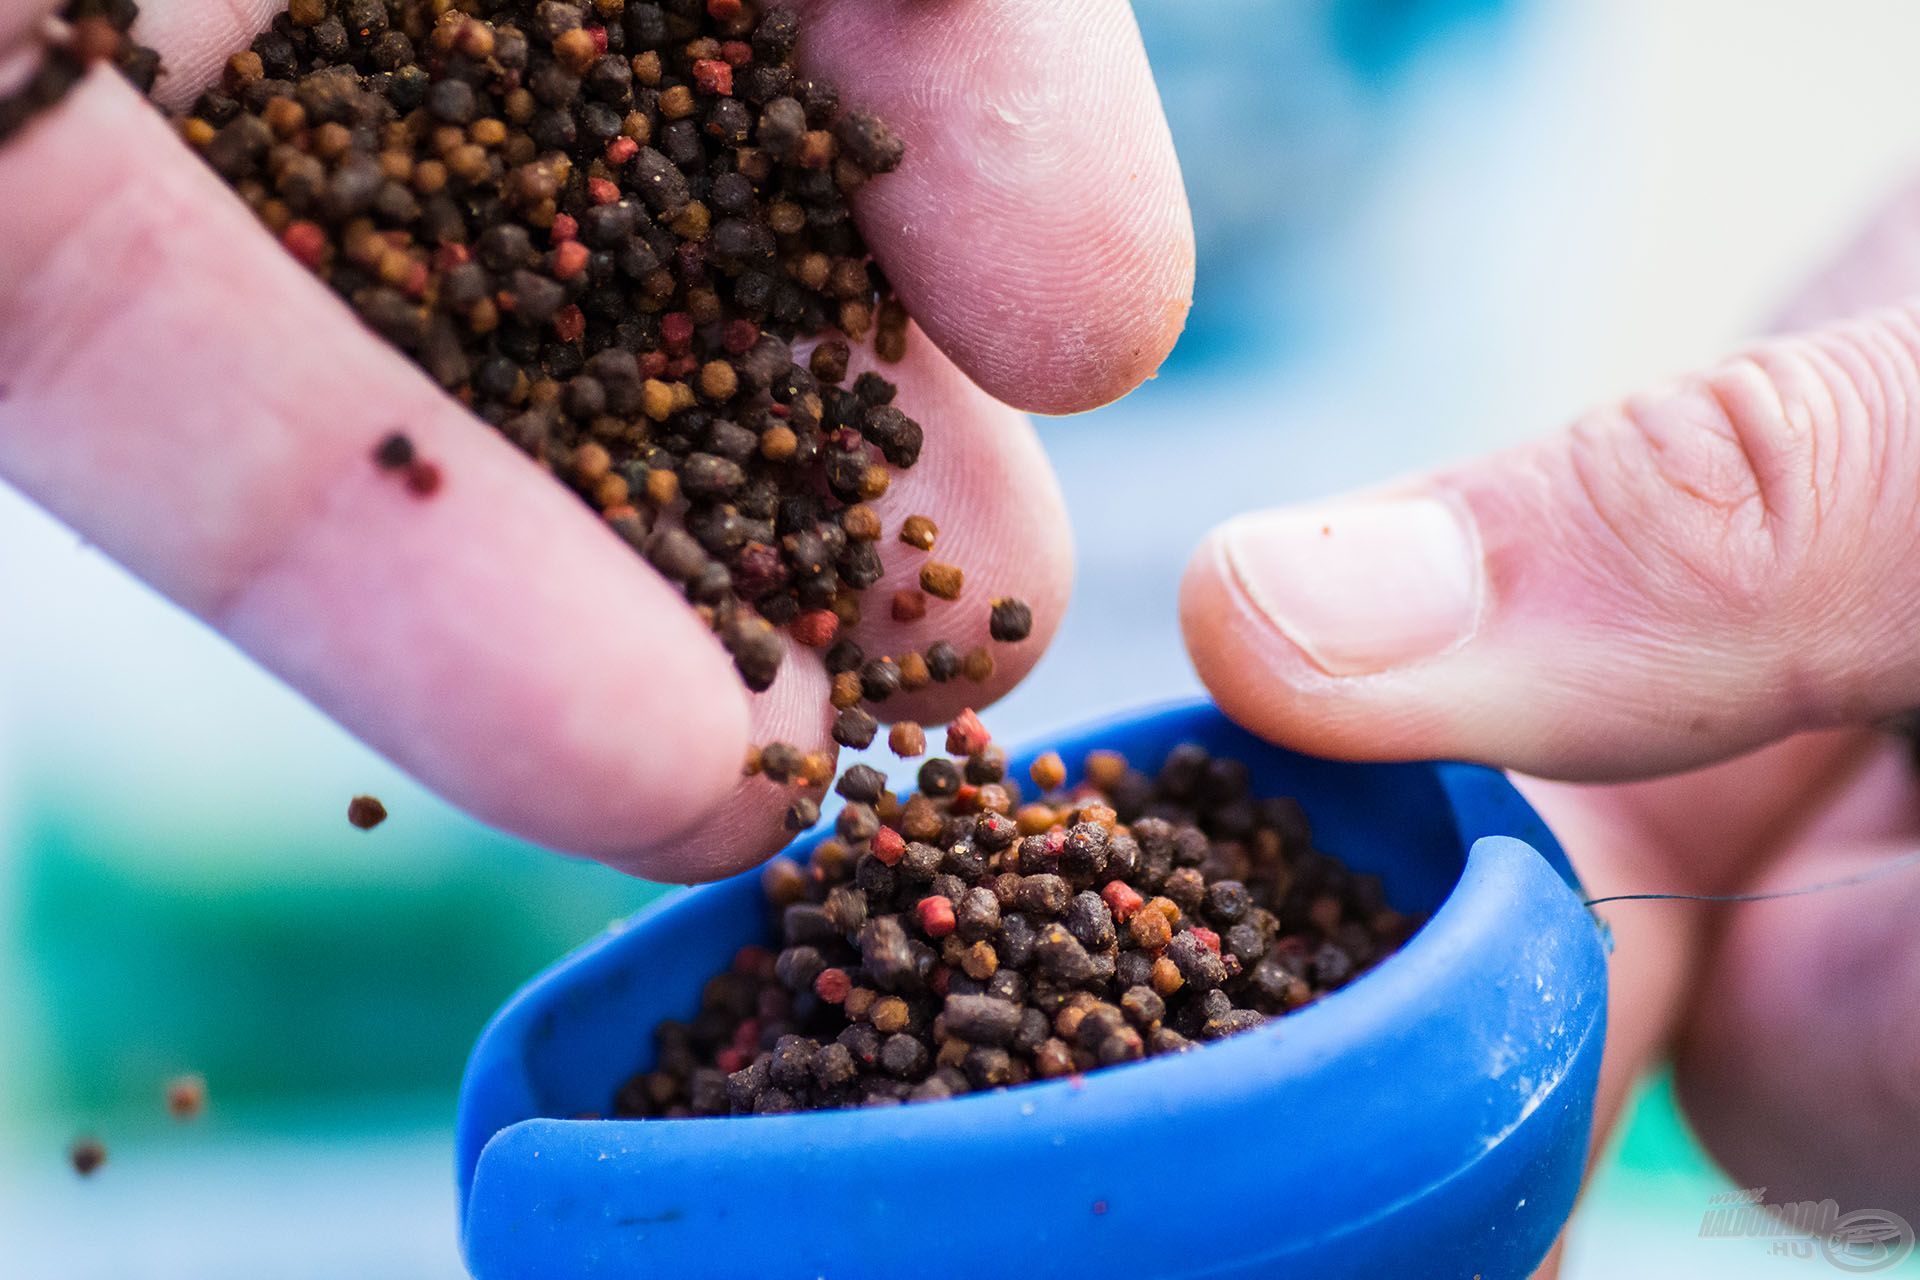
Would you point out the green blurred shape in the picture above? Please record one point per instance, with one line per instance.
(310, 965)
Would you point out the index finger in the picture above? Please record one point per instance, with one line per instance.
(1037, 228)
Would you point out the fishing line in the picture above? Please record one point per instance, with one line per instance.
(1821, 886)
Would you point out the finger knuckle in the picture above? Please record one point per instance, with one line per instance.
(1766, 472)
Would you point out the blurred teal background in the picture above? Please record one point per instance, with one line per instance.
(1427, 228)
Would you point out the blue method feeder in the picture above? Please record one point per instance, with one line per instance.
(1430, 1120)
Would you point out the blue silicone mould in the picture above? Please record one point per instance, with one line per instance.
(1429, 1120)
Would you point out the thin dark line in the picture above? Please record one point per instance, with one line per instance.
(1858, 877)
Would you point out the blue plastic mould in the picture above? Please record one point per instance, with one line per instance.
(1429, 1120)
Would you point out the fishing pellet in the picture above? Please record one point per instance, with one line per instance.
(919, 532)
(366, 812)
(946, 949)
(86, 1155)
(186, 1097)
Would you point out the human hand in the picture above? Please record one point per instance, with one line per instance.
(191, 400)
(1718, 576)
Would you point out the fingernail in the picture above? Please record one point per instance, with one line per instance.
(1360, 587)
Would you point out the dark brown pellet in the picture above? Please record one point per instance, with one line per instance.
(854, 727)
(1010, 621)
(394, 452)
(86, 1155)
(365, 812)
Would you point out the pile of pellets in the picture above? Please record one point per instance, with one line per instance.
(604, 226)
(965, 940)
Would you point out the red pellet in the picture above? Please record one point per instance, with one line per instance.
(738, 53)
(1122, 899)
(724, 10)
(936, 916)
(564, 228)
(676, 330)
(909, 606)
(569, 259)
(1208, 938)
(832, 985)
(186, 1097)
(423, 478)
(754, 961)
(306, 242)
(569, 322)
(966, 736)
(816, 628)
(621, 150)
(713, 76)
(888, 845)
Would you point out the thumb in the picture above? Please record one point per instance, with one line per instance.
(1676, 578)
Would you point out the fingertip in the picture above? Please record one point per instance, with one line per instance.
(1264, 683)
(747, 823)
(1038, 228)
(1070, 355)
(1214, 625)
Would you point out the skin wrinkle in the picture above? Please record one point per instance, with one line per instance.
(1592, 455)
(1711, 452)
(1766, 432)
(1886, 395)
(1827, 467)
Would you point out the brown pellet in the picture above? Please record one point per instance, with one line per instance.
(1105, 770)
(1048, 771)
(940, 579)
(919, 532)
(186, 1097)
(978, 665)
(907, 739)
